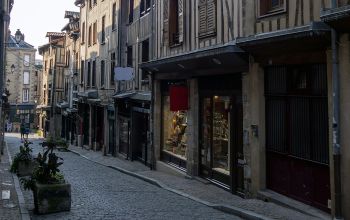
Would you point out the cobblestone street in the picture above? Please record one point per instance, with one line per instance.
(100, 192)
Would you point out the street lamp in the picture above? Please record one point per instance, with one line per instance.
(18, 36)
(13, 68)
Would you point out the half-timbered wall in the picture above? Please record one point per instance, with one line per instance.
(227, 20)
(296, 13)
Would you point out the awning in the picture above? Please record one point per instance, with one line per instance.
(91, 94)
(337, 18)
(315, 36)
(43, 107)
(218, 59)
(63, 105)
(123, 95)
(93, 101)
(72, 110)
(140, 96)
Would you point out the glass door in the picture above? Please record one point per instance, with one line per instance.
(216, 147)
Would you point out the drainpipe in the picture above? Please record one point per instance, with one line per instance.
(2, 68)
(151, 121)
(336, 123)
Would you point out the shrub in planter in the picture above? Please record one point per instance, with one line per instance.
(51, 192)
(23, 163)
(60, 143)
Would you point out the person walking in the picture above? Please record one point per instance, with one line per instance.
(22, 130)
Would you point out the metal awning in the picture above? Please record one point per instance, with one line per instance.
(123, 95)
(93, 101)
(338, 18)
(72, 110)
(227, 58)
(22, 106)
(91, 94)
(63, 105)
(314, 36)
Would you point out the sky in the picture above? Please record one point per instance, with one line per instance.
(36, 17)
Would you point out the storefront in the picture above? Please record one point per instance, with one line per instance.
(111, 130)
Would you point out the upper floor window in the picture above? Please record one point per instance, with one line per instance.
(95, 2)
(94, 35)
(131, 11)
(26, 60)
(207, 17)
(83, 33)
(103, 33)
(67, 57)
(26, 78)
(25, 95)
(145, 50)
(129, 56)
(114, 16)
(102, 72)
(271, 6)
(89, 36)
(173, 23)
(112, 68)
(145, 6)
(88, 74)
(90, 4)
(82, 66)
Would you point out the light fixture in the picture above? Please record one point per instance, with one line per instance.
(217, 61)
(13, 68)
(8, 80)
(18, 36)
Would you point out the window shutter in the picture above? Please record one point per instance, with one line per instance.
(181, 20)
(202, 11)
(165, 22)
(264, 7)
(211, 16)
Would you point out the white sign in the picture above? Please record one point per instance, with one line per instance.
(123, 73)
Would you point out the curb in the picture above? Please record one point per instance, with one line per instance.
(221, 207)
(22, 204)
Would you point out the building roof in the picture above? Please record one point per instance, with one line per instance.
(55, 34)
(11, 43)
(72, 14)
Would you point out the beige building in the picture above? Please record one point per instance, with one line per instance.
(21, 82)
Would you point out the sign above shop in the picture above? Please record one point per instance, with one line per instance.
(123, 73)
(178, 98)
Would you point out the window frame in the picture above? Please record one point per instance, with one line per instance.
(26, 82)
(269, 11)
(114, 16)
(103, 31)
(83, 33)
(25, 95)
(145, 7)
(26, 62)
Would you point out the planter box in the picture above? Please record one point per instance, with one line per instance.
(26, 169)
(50, 198)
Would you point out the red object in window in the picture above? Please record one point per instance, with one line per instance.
(178, 98)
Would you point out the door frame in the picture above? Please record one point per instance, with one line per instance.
(235, 133)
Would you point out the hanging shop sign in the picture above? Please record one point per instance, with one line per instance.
(123, 73)
(178, 98)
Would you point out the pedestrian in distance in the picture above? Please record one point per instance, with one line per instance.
(22, 130)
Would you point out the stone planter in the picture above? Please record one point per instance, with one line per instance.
(50, 198)
(26, 169)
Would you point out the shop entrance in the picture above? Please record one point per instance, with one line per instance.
(124, 135)
(297, 153)
(221, 128)
(139, 133)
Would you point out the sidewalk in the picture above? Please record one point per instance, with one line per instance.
(198, 189)
(11, 198)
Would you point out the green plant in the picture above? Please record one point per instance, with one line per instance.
(47, 171)
(24, 155)
(52, 142)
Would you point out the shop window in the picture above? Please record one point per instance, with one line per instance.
(207, 17)
(268, 7)
(88, 74)
(102, 72)
(175, 121)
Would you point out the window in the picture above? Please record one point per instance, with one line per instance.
(112, 68)
(89, 36)
(102, 72)
(45, 66)
(26, 78)
(26, 60)
(35, 88)
(93, 83)
(95, 33)
(131, 11)
(129, 56)
(50, 66)
(89, 74)
(67, 57)
(268, 7)
(83, 33)
(36, 73)
(207, 17)
(95, 2)
(145, 58)
(25, 95)
(145, 6)
(90, 4)
(103, 33)
(173, 23)
(82, 66)
(114, 16)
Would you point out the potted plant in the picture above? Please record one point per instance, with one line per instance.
(60, 143)
(50, 190)
(23, 163)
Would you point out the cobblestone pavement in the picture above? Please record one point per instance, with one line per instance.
(99, 192)
(9, 207)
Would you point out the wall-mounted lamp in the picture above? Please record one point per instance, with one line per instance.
(13, 68)
(18, 36)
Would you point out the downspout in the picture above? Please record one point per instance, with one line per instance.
(336, 122)
(151, 124)
(2, 68)
(120, 35)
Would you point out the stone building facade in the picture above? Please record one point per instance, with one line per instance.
(21, 82)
